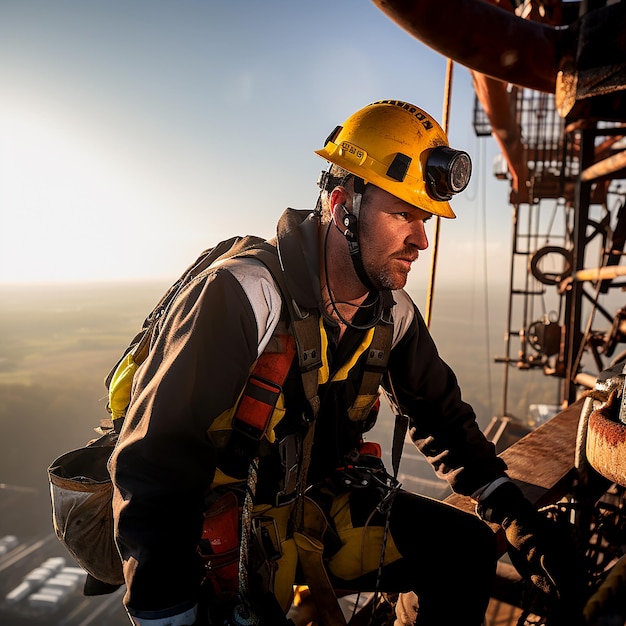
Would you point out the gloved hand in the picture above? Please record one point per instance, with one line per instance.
(540, 549)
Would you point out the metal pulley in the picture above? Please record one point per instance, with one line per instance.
(544, 336)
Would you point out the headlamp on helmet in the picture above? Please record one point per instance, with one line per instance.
(448, 172)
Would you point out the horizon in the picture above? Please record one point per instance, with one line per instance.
(463, 340)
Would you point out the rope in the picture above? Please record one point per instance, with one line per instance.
(384, 506)
(246, 529)
(483, 196)
(433, 266)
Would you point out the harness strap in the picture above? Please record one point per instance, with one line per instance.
(308, 339)
(263, 389)
(308, 520)
(309, 342)
(399, 429)
(399, 433)
(304, 326)
(377, 359)
(310, 547)
(308, 530)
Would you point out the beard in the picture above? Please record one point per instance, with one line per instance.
(387, 276)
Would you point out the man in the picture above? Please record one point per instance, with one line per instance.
(346, 264)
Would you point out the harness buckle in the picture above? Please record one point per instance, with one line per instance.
(361, 471)
(267, 537)
(290, 450)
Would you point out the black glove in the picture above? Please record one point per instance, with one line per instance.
(541, 549)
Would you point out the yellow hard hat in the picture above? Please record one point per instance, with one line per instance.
(403, 150)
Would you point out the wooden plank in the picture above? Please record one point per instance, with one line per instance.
(542, 462)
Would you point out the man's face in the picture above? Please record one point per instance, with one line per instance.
(391, 235)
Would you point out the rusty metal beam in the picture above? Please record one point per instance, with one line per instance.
(496, 102)
(606, 167)
(600, 273)
(484, 38)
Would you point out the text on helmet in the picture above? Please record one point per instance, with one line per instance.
(426, 123)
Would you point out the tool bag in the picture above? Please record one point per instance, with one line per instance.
(81, 492)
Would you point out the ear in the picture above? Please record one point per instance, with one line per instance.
(342, 217)
(340, 201)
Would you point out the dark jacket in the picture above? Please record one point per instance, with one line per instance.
(165, 462)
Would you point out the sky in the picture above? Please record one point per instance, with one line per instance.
(136, 133)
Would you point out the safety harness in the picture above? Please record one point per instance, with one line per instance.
(252, 418)
(307, 520)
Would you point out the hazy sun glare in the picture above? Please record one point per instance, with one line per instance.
(63, 203)
(128, 144)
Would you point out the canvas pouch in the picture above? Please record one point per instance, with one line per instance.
(81, 492)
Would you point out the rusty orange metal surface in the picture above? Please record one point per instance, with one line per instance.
(606, 445)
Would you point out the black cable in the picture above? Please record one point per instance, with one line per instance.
(333, 303)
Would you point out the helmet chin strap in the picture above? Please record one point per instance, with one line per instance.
(351, 233)
(378, 301)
